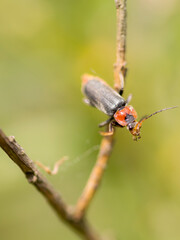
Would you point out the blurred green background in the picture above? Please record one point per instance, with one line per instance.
(45, 47)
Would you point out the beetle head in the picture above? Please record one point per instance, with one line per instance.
(127, 117)
(134, 128)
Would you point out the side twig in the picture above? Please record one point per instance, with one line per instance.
(55, 169)
(107, 142)
(17, 154)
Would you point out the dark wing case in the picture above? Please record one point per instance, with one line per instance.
(102, 96)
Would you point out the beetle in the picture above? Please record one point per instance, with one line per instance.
(100, 95)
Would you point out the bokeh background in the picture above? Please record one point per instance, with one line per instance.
(45, 47)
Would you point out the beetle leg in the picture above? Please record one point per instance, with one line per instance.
(120, 71)
(110, 132)
(106, 122)
(128, 99)
(121, 91)
(115, 124)
(86, 101)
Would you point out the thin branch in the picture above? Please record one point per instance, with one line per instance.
(95, 177)
(107, 142)
(120, 65)
(17, 154)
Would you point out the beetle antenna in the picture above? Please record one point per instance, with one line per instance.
(146, 117)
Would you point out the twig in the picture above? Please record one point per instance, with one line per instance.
(17, 154)
(55, 169)
(95, 177)
(107, 142)
(120, 65)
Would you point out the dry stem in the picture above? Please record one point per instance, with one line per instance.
(95, 177)
(17, 154)
(119, 67)
(107, 142)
